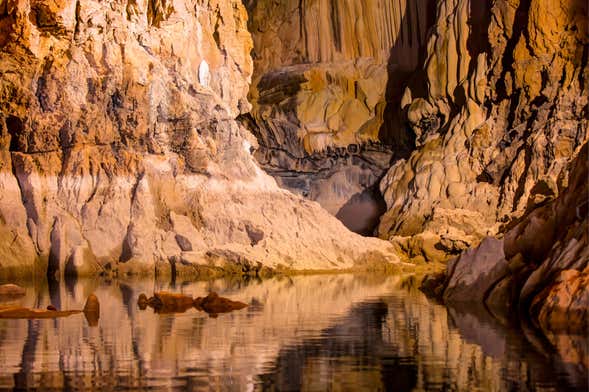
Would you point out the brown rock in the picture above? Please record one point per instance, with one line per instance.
(564, 306)
(318, 105)
(547, 274)
(92, 310)
(165, 302)
(51, 307)
(475, 272)
(142, 301)
(213, 304)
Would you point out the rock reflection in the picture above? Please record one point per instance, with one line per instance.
(310, 333)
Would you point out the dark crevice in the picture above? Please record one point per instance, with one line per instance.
(478, 39)
(335, 26)
(518, 30)
(15, 128)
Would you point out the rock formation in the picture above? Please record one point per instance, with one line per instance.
(326, 77)
(540, 267)
(504, 113)
(119, 149)
(482, 109)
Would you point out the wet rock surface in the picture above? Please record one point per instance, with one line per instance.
(166, 302)
(92, 310)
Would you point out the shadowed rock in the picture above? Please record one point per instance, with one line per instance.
(92, 310)
(11, 290)
(213, 304)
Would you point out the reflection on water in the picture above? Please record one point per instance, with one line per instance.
(328, 332)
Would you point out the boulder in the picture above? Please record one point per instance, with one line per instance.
(474, 273)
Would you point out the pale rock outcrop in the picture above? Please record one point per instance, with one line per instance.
(120, 149)
(503, 115)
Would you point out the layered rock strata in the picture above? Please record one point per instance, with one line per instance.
(120, 149)
(327, 77)
(504, 114)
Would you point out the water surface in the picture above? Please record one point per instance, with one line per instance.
(316, 333)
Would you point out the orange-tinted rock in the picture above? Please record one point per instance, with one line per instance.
(564, 306)
(92, 310)
(16, 312)
(11, 290)
(142, 301)
(213, 304)
(165, 302)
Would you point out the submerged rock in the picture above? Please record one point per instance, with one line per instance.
(142, 301)
(213, 304)
(165, 302)
(92, 310)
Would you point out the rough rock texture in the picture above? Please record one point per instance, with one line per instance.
(504, 113)
(119, 149)
(325, 72)
(540, 266)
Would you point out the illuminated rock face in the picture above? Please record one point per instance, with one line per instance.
(503, 115)
(326, 77)
(119, 147)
